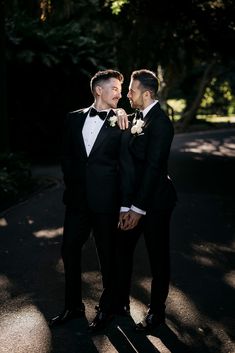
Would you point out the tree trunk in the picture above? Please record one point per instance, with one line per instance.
(190, 114)
(165, 83)
(4, 133)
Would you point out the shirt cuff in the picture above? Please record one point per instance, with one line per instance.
(138, 210)
(124, 209)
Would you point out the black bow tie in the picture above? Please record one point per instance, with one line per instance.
(139, 115)
(102, 114)
(94, 112)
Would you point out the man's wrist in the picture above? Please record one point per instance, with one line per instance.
(138, 210)
(124, 209)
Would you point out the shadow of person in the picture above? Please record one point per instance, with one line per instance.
(124, 338)
(73, 337)
(170, 339)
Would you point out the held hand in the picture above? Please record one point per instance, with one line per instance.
(131, 220)
(122, 119)
(123, 217)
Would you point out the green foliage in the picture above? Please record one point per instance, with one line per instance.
(49, 67)
(218, 98)
(182, 38)
(31, 41)
(116, 5)
(51, 61)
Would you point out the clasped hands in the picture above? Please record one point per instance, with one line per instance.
(128, 220)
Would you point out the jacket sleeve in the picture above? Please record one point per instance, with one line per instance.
(127, 175)
(67, 150)
(160, 136)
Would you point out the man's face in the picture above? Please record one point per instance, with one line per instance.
(135, 95)
(110, 93)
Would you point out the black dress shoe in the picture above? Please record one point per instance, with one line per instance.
(100, 321)
(150, 322)
(66, 315)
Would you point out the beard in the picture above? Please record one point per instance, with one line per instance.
(137, 104)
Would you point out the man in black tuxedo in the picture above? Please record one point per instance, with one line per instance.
(154, 196)
(97, 181)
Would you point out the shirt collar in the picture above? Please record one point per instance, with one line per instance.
(147, 109)
(103, 110)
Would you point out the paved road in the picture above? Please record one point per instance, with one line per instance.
(200, 310)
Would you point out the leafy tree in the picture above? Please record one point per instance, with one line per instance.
(190, 42)
(56, 57)
(53, 48)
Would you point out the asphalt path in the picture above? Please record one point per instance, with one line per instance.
(200, 306)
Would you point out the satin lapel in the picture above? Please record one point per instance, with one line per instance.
(153, 112)
(104, 132)
(81, 121)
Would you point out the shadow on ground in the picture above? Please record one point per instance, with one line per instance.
(199, 308)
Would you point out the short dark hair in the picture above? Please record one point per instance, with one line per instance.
(148, 80)
(104, 76)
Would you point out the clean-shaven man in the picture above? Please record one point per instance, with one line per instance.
(97, 178)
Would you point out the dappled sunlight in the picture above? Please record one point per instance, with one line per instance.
(158, 344)
(204, 261)
(216, 118)
(102, 342)
(60, 266)
(211, 254)
(49, 233)
(94, 279)
(4, 282)
(24, 331)
(229, 279)
(138, 309)
(181, 306)
(144, 283)
(186, 319)
(5, 288)
(3, 222)
(211, 146)
(92, 286)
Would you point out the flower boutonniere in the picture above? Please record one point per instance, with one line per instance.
(112, 120)
(137, 127)
(117, 114)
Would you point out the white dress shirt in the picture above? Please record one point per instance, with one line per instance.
(147, 109)
(91, 129)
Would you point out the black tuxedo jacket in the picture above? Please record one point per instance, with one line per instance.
(103, 180)
(150, 150)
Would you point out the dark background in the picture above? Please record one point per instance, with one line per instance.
(52, 49)
(49, 50)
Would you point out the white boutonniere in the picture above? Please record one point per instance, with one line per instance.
(112, 120)
(137, 128)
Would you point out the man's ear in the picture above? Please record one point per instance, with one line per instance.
(147, 94)
(98, 90)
